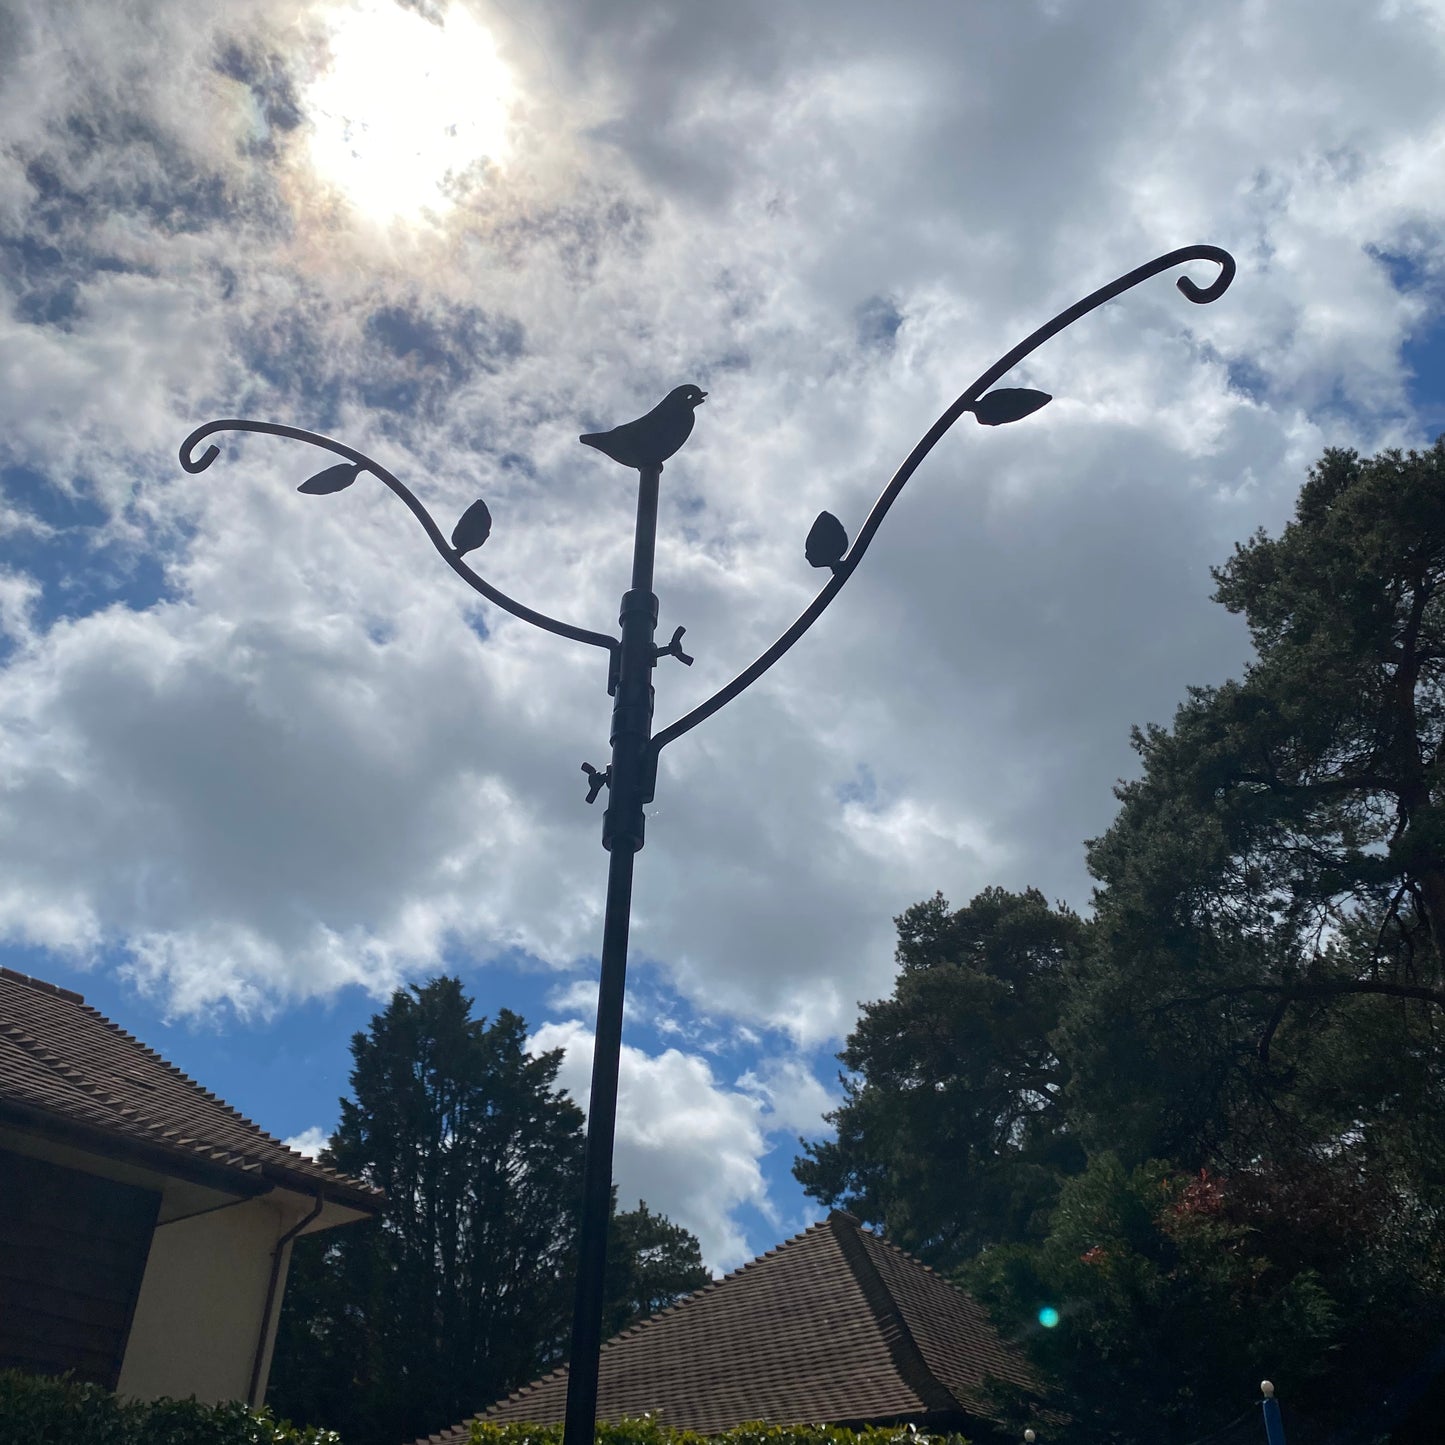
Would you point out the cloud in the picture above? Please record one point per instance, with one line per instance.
(180, 782)
(309, 1141)
(793, 1100)
(577, 999)
(685, 1144)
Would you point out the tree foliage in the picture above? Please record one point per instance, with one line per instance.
(1272, 903)
(651, 1263)
(954, 1081)
(1240, 1166)
(462, 1291)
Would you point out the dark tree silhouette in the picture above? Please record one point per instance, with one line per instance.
(462, 1291)
(1206, 1125)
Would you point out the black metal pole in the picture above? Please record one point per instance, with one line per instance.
(622, 835)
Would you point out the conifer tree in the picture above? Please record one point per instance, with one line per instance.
(1239, 1057)
(462, 1290)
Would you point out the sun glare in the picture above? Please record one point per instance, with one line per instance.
(406, 110)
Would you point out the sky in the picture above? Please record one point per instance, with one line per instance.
(266, 758)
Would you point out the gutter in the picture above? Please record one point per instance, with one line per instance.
(95, 1138)
(232, 1173)
(278, 1255)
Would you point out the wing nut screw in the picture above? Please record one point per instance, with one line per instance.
(597, 779)
(674, 649)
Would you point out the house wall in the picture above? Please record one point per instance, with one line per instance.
(72, 1254)
(201, 1277)
(198, 1316)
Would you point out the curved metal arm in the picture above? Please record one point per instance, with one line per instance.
(843, 569)
(452, 557)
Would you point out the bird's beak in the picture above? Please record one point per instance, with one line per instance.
(702, 398)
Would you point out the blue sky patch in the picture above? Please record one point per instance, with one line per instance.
(878, 320)
(79, 568)
(861, 788)
(1424, 350)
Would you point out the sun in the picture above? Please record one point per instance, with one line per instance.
(406, 108)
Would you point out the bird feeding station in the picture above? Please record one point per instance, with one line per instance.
(631, 776)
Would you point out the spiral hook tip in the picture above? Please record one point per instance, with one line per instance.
(1203, 295)
(200, 463)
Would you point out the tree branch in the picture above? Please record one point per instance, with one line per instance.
(1360, 783)
(1333, 988)
(1275, 1020)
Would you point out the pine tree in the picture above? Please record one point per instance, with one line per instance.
(1244, 1045)
(955, 1088)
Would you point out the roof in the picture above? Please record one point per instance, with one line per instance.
(835, 1326)
(65, 1065)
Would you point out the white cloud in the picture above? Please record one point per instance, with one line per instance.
(18, 597)
(309, 1141)
(577, 999)
(685, 1143)
(793, 1100)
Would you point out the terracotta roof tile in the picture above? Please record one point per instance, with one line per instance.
(954, 1335)
(832, 1327)
(65, 1059)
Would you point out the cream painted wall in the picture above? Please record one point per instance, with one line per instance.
(198, 1315)
(199, 1309)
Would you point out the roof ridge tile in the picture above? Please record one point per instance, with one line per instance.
(216, 1131)
(641, 1325)
(887, 1310)
(15, 976)
(182, 1076)
(798, 1321)
(911, 1258)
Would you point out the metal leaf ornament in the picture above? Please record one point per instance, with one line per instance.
(1009, 403)
(827, 541)
(333, 479)
(473, 529)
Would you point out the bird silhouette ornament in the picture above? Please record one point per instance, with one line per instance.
(651, 439)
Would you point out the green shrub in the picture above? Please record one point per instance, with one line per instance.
(39, 1410)
(652, 1432)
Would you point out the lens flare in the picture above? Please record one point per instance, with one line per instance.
(1048, 1317)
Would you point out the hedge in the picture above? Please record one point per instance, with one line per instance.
(40, 1410)
(653, 1432)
